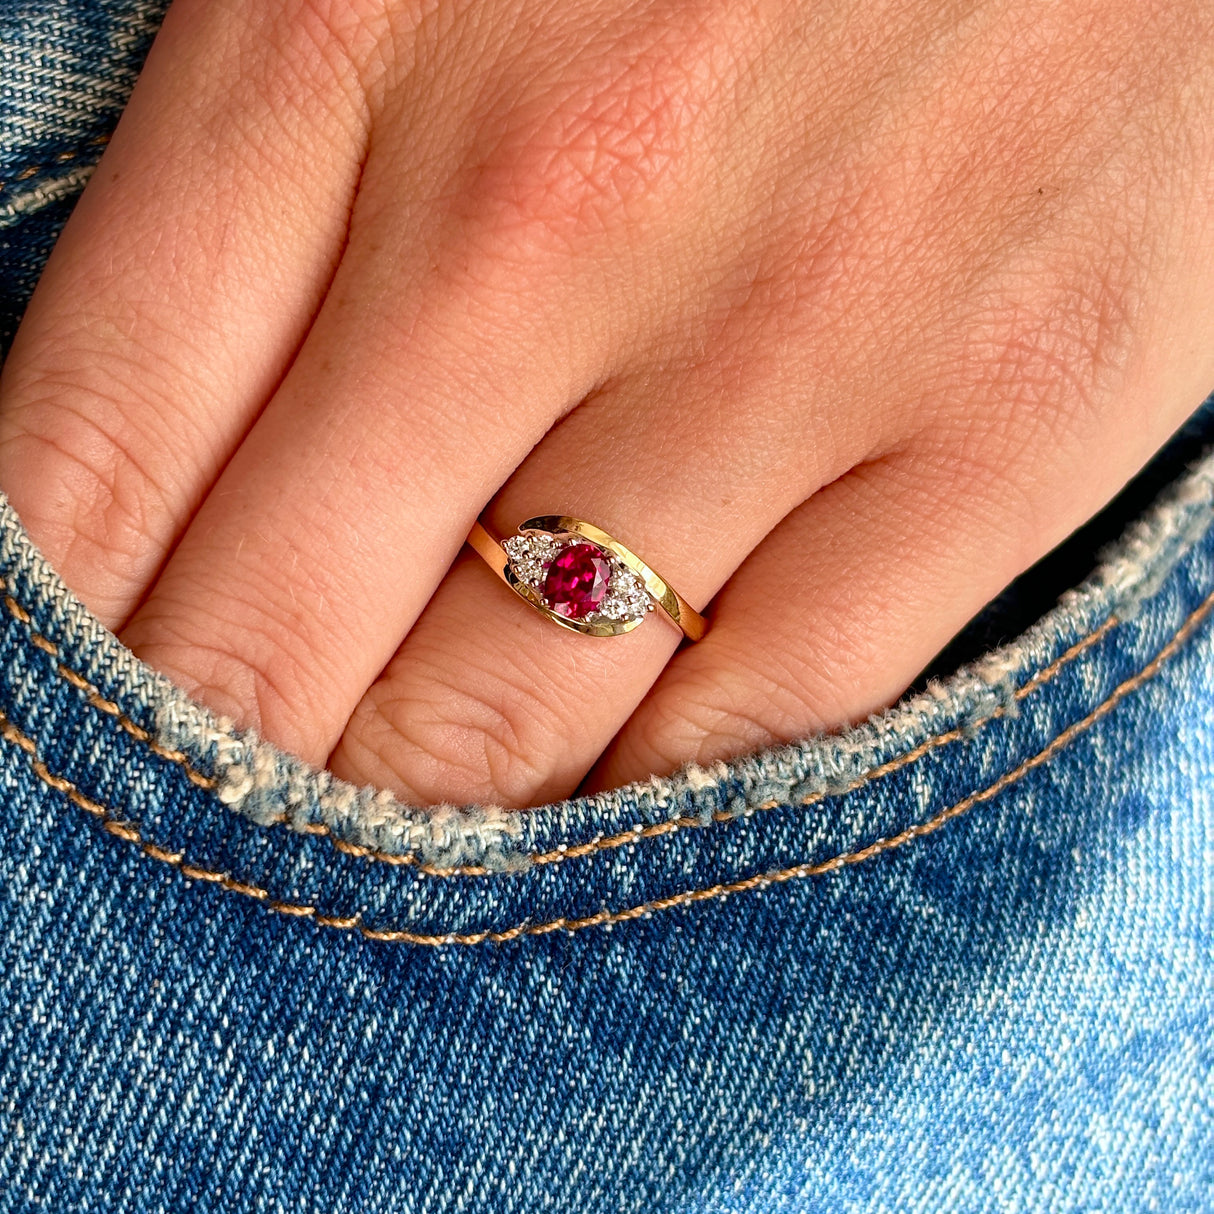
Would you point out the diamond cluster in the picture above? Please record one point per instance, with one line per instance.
(627, 598)
(531, 556)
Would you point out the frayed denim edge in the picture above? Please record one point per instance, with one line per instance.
(268, 786)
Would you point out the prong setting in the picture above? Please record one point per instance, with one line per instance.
(601, 586)
(625, 604)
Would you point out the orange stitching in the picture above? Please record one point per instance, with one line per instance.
(1042, 677)
(130, 832)
(33, 170)
(98, 701)
(564, 852)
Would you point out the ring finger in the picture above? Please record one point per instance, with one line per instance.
(486, 700)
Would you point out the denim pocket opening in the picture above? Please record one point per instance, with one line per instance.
(236, 777)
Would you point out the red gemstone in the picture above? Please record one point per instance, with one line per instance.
(576, 582)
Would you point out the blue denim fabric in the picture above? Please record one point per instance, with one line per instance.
(957, 958)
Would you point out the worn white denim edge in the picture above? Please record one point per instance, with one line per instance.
(54, 189)
(262, 783)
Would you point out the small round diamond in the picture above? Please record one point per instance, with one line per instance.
(530, 556)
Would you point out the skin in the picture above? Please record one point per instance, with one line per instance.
(840, 314)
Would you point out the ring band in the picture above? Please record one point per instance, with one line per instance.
(582, 578)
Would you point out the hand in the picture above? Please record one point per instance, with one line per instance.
(840, 314)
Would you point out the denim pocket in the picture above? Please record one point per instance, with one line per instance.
(225, 808)
(958, 957)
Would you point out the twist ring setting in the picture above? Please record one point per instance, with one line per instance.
(582, 578)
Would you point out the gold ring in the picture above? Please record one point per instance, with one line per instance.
(582, 578)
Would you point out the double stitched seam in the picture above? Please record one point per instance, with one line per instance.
(84, 155)
(563, 851)
(129, 832)
(94, 697)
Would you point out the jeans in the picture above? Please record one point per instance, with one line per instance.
(958, 957)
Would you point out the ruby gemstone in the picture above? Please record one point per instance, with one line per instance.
(576, 582)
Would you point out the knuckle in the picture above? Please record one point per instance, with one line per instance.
(610, 140)
(453, 748)
(332, 41)
(465, 735)
(726, 702)
(242, 661)
(696, 720)
(81, 474)
(601, 150)
(1044, 359)
(1062, 349)
(227, 684)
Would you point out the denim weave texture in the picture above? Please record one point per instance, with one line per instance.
(956, 958)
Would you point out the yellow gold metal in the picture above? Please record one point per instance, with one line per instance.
(672, 604)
